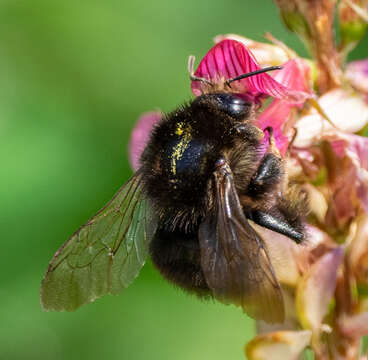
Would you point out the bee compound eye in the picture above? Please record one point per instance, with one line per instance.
(232, 104)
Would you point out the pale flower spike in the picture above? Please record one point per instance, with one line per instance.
(325, 279)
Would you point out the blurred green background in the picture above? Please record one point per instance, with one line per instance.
(74, 77)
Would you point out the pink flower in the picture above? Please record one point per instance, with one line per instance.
(229, 59)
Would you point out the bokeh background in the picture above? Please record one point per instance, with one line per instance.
(74, 77)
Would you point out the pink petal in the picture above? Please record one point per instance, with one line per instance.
(266, 54)
(230, 58)
(317, 202)
(305, 162)
(285, 345)
(357, 73)
(343, 206)
(282, 252)
(355, 147)
(288, 259)
(358, 250)
(294, 76)
(309, 128)
(339, 105)
(317, 237)
(342, 183)
(316, 289)
(354, 326)
(275, 115)
(140, 136)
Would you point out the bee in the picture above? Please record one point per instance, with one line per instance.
(204, 176)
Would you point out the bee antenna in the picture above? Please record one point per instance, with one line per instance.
(252, 73)
(191, 61)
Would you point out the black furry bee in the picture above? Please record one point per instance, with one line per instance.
(203, 175)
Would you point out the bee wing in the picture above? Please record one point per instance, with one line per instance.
(104, 255)
(234, 258)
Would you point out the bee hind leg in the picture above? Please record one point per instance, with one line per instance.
(286, 216)
(276, 224)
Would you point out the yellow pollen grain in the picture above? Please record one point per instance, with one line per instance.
(179, 129)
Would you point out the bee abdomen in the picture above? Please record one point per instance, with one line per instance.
(176, 254)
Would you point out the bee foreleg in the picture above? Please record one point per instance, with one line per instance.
(250, 132)
(272, 148)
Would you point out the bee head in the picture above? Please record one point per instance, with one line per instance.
(228, 103)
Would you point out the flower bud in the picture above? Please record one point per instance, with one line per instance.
(352, 25)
